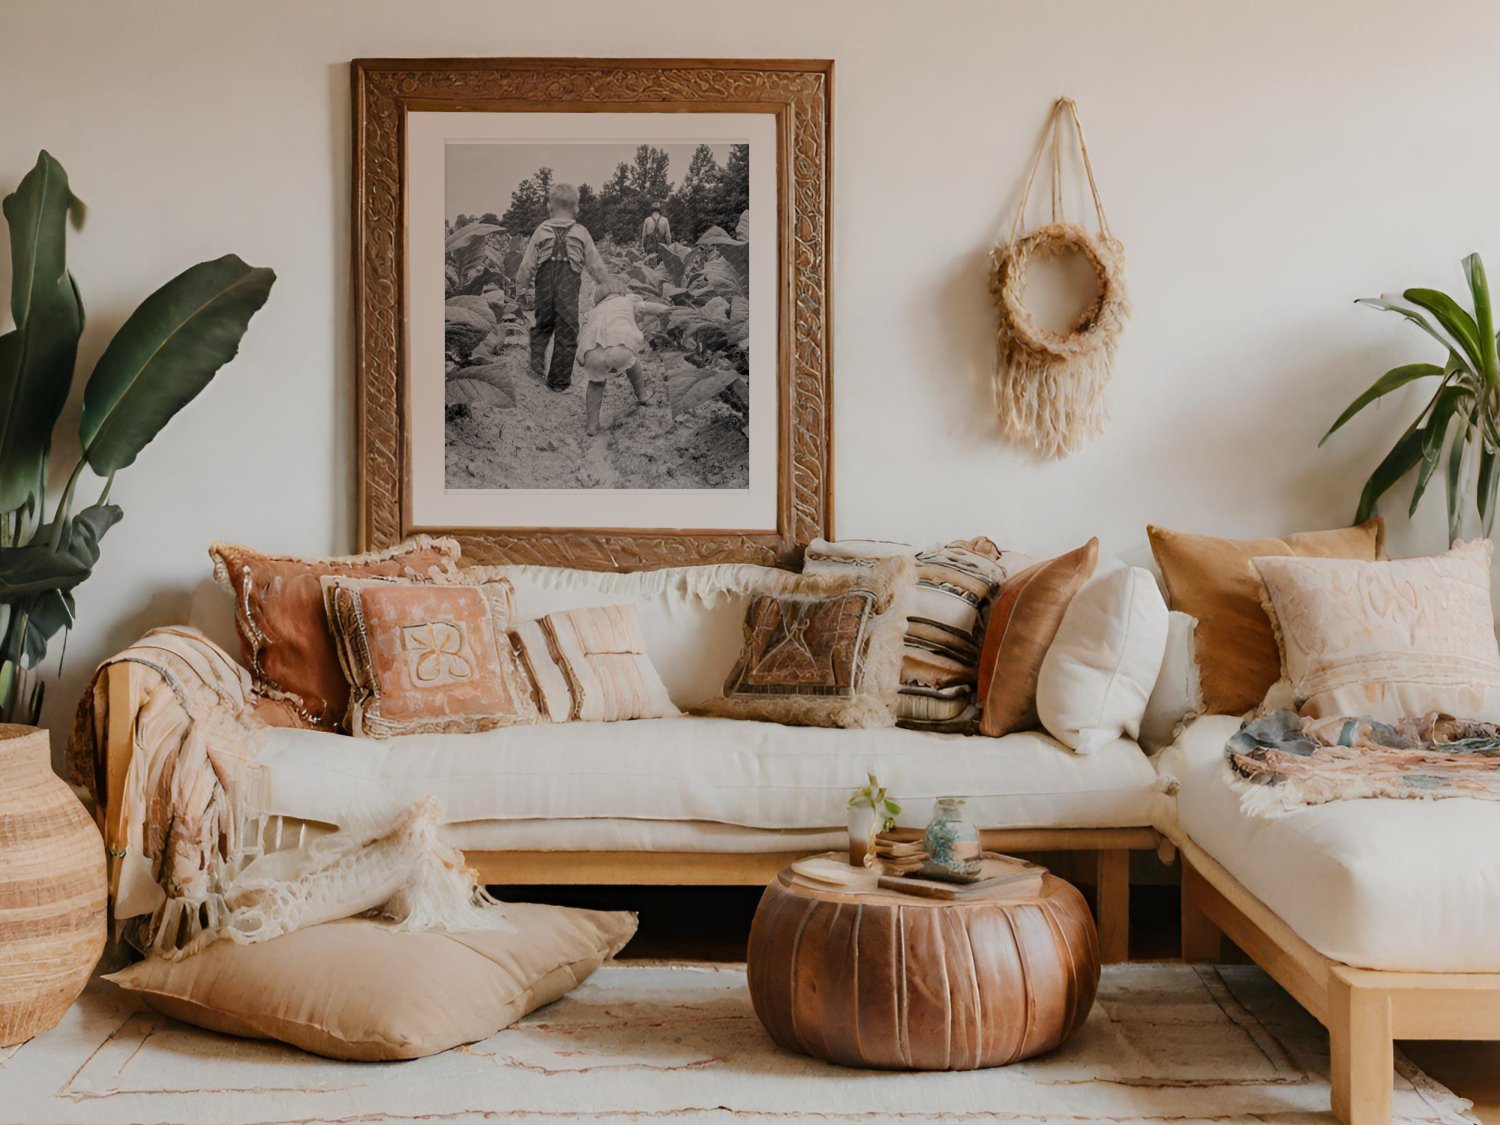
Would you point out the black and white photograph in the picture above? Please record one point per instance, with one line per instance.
(597, 315)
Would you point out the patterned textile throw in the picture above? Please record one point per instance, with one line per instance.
(956, 583)
(190, 850)
(1281, 761)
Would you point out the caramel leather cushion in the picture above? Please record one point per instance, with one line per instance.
(285, 640)
(1023, 622)
(358, 990)
(1215, 581)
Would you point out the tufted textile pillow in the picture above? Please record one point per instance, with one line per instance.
(823, 650)
(1214, 580)
(1388, 640)
(284, 636)
(956, 584)
(1026, 617)
(356, 990)
(1100, 668)
(590, 665)
(427, 657)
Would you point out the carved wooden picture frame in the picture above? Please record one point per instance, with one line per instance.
(389, 97)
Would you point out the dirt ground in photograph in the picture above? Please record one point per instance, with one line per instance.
(541, 443)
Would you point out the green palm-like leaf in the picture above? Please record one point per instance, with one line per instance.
(1394, 379)
(1454, 319)
(1489, 478)
(1484, 316)
(1391, 302)
(37, 356)
(168, 351)
(1402, 458)
(1454, 482)
(1448, 402)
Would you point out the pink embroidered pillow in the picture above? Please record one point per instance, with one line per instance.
(1390, 640)
(590, 665)
(427, 657)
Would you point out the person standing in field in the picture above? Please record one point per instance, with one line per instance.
(656, 232)
(559, 251)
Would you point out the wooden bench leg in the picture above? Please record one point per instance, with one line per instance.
(1361, 1052)
(1112, 886)
(1202, 941)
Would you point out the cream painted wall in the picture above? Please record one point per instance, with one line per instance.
(1264, 164)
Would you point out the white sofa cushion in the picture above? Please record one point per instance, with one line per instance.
(1101, 665)
(1378, 884)
(731, 771)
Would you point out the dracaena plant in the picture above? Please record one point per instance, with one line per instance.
(1457, 427)
(162, 356)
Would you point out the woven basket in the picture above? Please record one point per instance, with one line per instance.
(52, 889)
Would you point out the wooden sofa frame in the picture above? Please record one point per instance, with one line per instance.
(1364, 1010)
(1111, 846)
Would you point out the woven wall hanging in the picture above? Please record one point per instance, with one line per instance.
(1049, 386)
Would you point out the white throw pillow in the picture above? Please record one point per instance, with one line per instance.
(1098, 674)
(1178, 694)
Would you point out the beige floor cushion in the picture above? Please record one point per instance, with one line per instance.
(358, 990)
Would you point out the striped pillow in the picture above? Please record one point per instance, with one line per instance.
(956, 583)
(590, 665)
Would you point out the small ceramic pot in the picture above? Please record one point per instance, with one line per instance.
(861, 832)
(951, 843)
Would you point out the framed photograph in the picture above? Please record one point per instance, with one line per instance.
(592, 307)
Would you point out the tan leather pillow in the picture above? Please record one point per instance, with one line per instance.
(427, 657)
(1023, 622)
(1214, 580)
(285, 640)
(357, 990)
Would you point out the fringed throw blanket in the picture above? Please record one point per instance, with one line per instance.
(1281, 761)
(190, 840)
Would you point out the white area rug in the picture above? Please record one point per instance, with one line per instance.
(643, 1042)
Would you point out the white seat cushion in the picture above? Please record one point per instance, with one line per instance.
(1379, 884)
(730, 771)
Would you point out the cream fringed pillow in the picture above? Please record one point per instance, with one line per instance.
(1388, 640)
(427, 657)
(590, 665)
(823, 650)
(356, 990)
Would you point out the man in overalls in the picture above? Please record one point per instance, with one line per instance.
(656, 232)
(558, 253)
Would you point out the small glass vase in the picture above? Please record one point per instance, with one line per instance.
(951, 843)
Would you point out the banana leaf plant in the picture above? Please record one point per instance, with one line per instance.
(1457, 428)
(164, 354)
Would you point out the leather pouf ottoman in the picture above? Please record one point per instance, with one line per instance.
(889, 980)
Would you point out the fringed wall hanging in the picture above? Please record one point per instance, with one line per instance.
(1049, 386)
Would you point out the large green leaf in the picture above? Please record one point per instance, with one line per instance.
(1393, 379)
(1489, 478)
(35, 568)
(1454, 319)
(1484, 316)
(166, 353)
(1402, 458)
(1390, 302)
(37, 356)
(1448, 402)
(1454, 480)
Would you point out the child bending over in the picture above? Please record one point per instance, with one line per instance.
(612, 343)
(558, 253)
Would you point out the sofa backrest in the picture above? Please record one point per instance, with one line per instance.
(691, 617)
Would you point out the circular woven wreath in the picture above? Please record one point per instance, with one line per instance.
(1096, 326)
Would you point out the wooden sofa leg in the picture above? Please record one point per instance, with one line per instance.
(1202, 941)
(1112, 886)
(1361, 1052)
